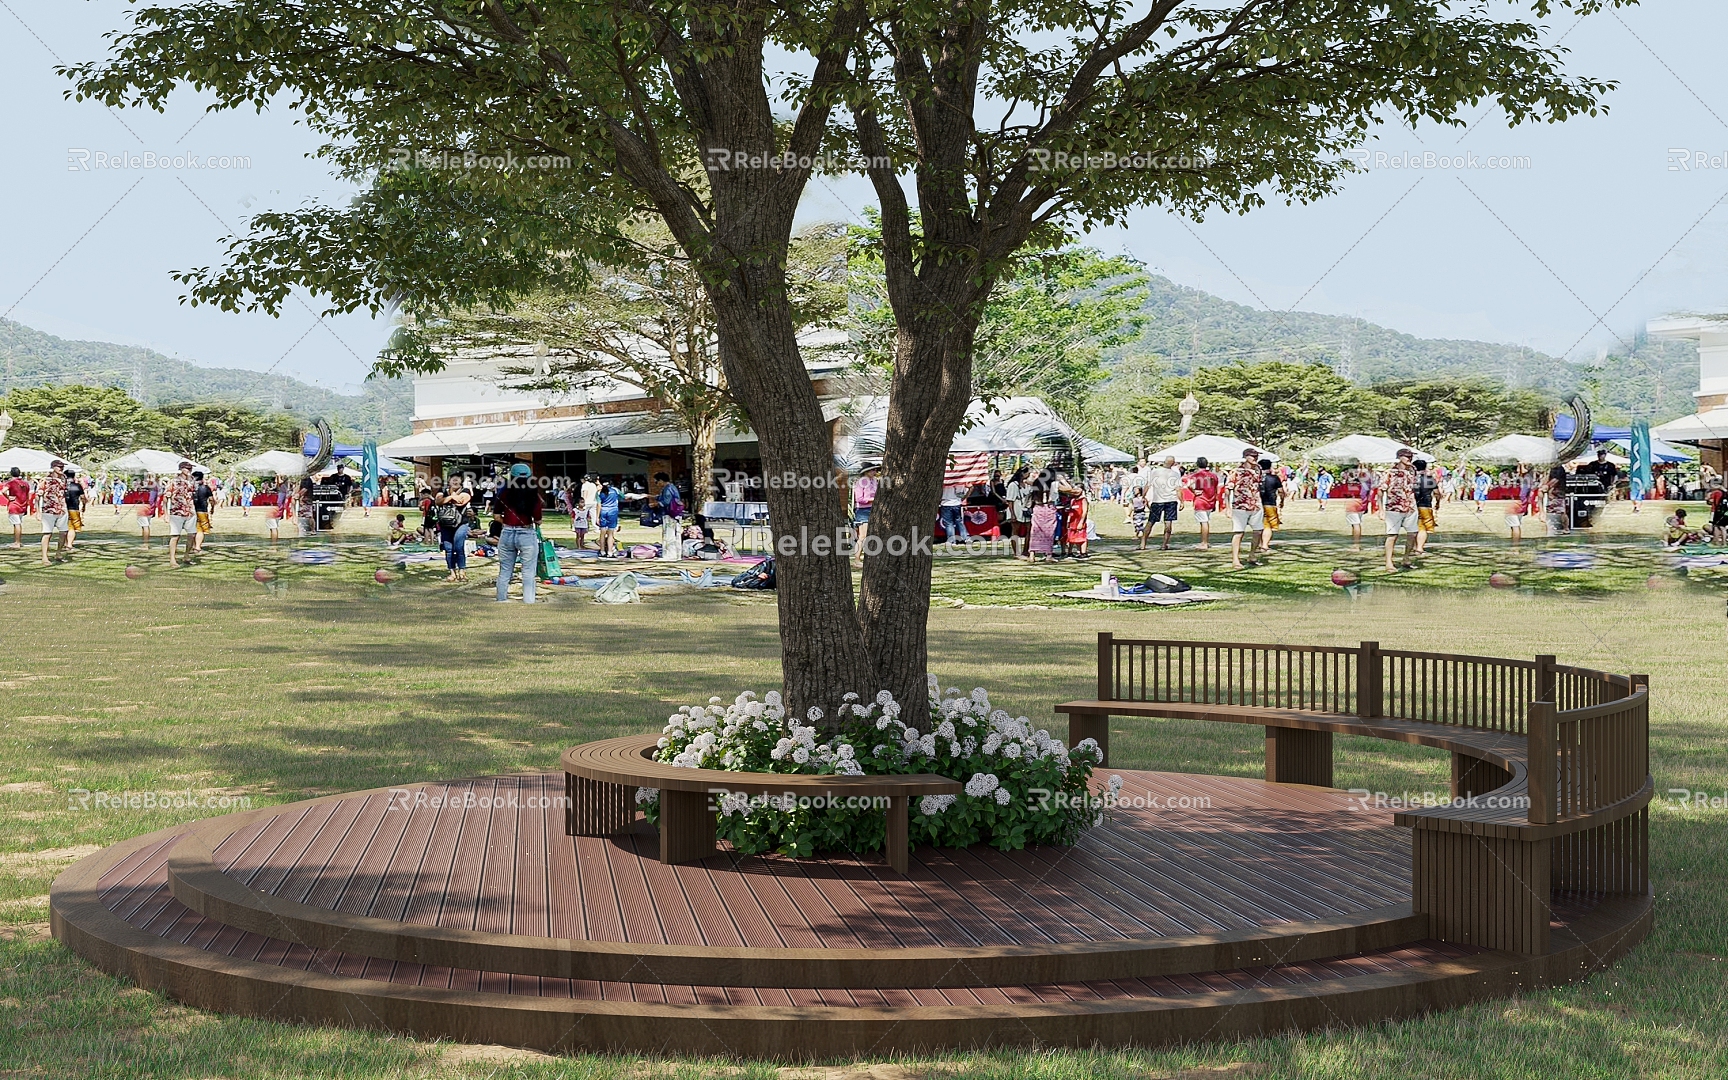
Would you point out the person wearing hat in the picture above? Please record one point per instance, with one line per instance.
(51, 505)
(517, 505)
(1400, 503)
(182, 517)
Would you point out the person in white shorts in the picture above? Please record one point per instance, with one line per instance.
(1400, 503)
(51, 505)
(1242, 495)
(182, 518)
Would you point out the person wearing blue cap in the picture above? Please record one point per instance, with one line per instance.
(518, 507)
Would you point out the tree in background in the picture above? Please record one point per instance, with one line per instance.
(642, 320)
(994, 116)
(1272, 404)
(218, 432)
(1451, 413)
(82, 423)
(1045, 328)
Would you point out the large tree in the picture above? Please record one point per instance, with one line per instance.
(88, 424)
(1450, 414)
(1273, 404)
(998, 115)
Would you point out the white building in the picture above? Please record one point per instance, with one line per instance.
(1708, 426)
(469, 418)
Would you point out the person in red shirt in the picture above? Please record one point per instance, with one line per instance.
(17, 504)
(1203, 485)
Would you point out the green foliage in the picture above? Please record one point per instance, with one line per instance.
(622, 96)
(212, 431)
(1271, 405)
(1451, 414)
(1652, 380)
(90, 424)
(1046, 326)
(79, 422)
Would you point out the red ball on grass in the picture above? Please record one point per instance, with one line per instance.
(383, 577)
(133, 573)
(263, 576)
(1502, 581)
(1343, 578)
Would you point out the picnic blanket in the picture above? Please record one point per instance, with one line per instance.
(1192, 596)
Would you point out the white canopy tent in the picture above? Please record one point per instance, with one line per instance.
(1216, 449)
(1367, 449)
(274, 463)
(1532, 449)
(1699, 426)
(26, 460)
(1015, 425)
(149, 462)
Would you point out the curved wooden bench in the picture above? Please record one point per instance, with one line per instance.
(601, 779)
(1541, 799)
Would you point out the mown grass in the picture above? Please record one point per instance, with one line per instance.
(203, 680)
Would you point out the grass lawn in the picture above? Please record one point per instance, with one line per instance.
(202, 680)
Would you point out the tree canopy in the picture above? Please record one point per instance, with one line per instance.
(90, 424)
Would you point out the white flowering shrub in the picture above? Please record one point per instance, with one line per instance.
(1022, 786)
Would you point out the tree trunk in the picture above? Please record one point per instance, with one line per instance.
(704, 428)
(927, 401)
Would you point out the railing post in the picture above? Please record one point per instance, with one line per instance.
(1544, 690)
(1368, 680)
(1106, 666)
(1539, 753)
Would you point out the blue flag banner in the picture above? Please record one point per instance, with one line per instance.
(1639, 473)
(369, 472)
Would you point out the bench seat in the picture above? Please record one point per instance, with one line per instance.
(601, 779)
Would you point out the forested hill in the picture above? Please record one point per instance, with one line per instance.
(32, 358)
(1188, 327)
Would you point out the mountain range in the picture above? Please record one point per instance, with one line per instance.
(1188, 328)
(30, 357)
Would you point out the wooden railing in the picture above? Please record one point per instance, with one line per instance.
(1310, 677)
(1484, 692)
(1588, 759)
(1482, 872)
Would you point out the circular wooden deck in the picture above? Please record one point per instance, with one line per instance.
(1206, 907)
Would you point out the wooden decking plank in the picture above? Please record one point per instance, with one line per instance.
(495, 894)
(987, 918)
(333, 880)
(636, 905)
(275, 863)
(532, 912)
(372, 867)
(414, 885)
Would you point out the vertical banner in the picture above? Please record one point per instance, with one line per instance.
(369, 472)
(1639, 472)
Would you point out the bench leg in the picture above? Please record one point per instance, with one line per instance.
(1482, 890)
(898, 845)
(1295, 756)
(1082, 726)
(686, 826)
(595, 808)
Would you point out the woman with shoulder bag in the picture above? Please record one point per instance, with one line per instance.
(453, 514)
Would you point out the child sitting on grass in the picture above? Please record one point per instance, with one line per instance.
(399, 531)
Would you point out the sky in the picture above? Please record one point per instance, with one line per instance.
(1583, 231)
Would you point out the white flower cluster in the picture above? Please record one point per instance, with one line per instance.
(967, 727)
(720, 736)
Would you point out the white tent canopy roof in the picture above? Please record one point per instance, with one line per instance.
(1014, 425)
(1531, 449)
(1705, 425)
(151, 461)
(273, 462)
(1367, 449)
(24, 459)
(1216, 449)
